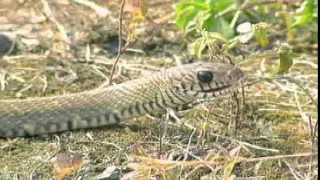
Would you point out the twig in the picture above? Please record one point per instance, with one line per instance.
(236, 120)
(294, 174)
(245, 6)
(303, 89)
(245, 144)
(45, 83)
(266, 54)
(307, 118)
(101, 11)
(25, 57)
(311, 145)
(161, 137)
(186, 153)
(281, 157)
(188, 146)
(49, 14)
(101, 142)
(33, 172)
(120, 41)
(3, 81)
(290, 79)
(165, 163)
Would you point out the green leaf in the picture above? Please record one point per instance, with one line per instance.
(187, 11)
(201, 15)
(261, 34)
(220, 5)
(307, 10)
(185, 16)
(218, 36)
(286, 58)
(219, 25)
(227, 170)
(197, 5)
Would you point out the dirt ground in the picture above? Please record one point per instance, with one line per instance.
(71, 48)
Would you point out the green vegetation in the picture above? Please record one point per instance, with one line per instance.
(267, 130)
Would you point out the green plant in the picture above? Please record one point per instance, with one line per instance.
(306, 13)
(205, 15)
(212, 23)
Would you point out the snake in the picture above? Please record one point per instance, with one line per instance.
(169, 88)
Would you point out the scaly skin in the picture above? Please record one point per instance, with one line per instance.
(170, 88)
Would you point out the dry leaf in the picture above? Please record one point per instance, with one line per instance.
(138, 8)
(65, 164)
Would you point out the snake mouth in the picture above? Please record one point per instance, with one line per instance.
(216, 89)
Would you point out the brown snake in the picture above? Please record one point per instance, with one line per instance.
(167, 89)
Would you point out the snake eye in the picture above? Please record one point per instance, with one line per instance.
(205, 76)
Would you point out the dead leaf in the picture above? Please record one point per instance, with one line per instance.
(65, 164)
(138, 8)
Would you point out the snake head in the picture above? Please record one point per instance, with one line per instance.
(205, 80)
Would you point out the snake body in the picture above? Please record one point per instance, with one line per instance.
(167, 89)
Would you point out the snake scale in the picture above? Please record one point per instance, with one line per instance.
(167, 89)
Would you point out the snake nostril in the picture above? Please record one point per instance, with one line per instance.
(235, 74)
(239, 72)
(183, 86)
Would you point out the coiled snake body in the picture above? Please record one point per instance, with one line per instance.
(170, 88)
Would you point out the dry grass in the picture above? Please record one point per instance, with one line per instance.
(274, 137)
